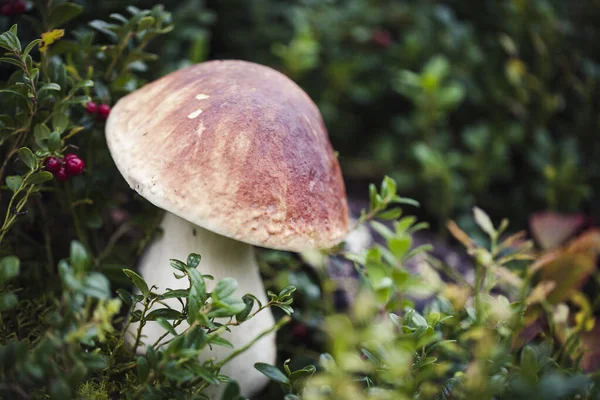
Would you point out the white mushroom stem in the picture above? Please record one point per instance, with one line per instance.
(221, 257)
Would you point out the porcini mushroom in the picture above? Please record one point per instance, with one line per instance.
(238, 155)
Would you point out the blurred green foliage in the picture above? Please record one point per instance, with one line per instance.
(462, 105)
(489, 105)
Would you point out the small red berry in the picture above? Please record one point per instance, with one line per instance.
(74, 166)
(103, 111)
(68, 156)
(52, 164)
(7, 10)
(19, 7)
(300, 331)
(91, 107)
(61, 175)
(382, 38)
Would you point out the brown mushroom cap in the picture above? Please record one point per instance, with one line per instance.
(236, 148)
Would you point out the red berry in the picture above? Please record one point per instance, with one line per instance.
(382, 38)
(19, 7)
(68, 156)
(61, 175)
(103, 111)
(74, 166)
(91, 107)
(300, 330)
(7, 10)
(52, 164)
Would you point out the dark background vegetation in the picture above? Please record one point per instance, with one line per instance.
(488, 103)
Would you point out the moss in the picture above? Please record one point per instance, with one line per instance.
(92, 390)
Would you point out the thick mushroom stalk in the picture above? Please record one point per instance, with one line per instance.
(222, 257)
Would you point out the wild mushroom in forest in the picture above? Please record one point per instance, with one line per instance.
(238, 155)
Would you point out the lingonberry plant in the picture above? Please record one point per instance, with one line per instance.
(476, 338)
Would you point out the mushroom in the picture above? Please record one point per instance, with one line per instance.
(238, 156)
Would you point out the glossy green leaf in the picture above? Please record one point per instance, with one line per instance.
(28, 158)
(14, 182)
(39, 177)
(63, 13)
(225, 288)
(138, 281)
(272, 372)
(165, 313)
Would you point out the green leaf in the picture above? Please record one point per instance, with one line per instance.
(18, 94)
(391, 214)
(225, 288)
(178, 265)
(207, 375)
(96, 285)
(405, 200)
(382, 230)
(309, 370)
(39, 178)
(399, 246)
(30, 47)
(145, 23)
(63, 13)
(373, 203)
(230, 307)
(243, 315)
(8, 301)
(529, 361)
(14, 182)
(219, 341)
(125, 296)
(105, 28)
(484, 222)
(54, 142)
(41, 131)
(10, 60)
(176, 293)
(143, 369)
(60, 122)
(287, 291)
(197, 295)
(166, 326)
(388, 188)
(165, 313)
(10, 41)
(28, 158)
(285, 308)
(138, 281)
(272, 372)
(418, 320)
(193, 260)
(9, 268)
(232, 392)
(48, 87)
(79, 257)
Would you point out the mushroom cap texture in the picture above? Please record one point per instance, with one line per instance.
(236, 148)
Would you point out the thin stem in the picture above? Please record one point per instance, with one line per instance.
(240, 350)
(138, 336)
(115, 60)
(76, 223)
(11, 215)
(118, 234)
